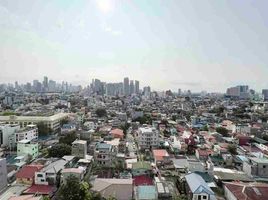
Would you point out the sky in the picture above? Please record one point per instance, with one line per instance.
(168, 44)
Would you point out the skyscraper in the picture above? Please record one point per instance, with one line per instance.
(126, 86)
(131, 87)
(45, 82)
(137, 87)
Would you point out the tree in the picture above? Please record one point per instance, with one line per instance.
(223, 131)
(43, 129)
(125, 127)
(64, 121)
(73, 189)
(204, 128)
(68, 138)
(146, 119)
(232, 149)
(59, 150)
(101, 112)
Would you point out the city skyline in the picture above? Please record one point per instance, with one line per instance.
(168, 45)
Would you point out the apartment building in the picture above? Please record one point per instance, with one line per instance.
(148, 137)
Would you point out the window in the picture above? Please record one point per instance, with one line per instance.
(39, 175)
(264, 166)
(204, 197)
(199, 197)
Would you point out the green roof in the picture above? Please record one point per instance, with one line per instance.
(141, 165)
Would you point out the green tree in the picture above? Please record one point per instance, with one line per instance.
(59, 150)
(101, 112)
(204, 128)
(43, 129)
(73, 189)
(64, 121)
(232, 149)
(223, 131)
(68, 138)
(125, 127)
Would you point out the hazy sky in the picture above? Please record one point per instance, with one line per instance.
(188, 44)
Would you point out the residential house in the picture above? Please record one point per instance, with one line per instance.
(120, 189)
(26, 174)
(146, 192)
(246, 191)
(48, 174)
(256, 167)
(104, 153)
(203, 154)
(197, 188)
(27, 148)
(30, 132)
(148, 138)
(79, 148)
(67, 172)
(141, 168)
(117, 133)
(161, 156)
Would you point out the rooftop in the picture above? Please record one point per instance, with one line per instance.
(146, 192)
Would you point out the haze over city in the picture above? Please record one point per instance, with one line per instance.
(196, 45)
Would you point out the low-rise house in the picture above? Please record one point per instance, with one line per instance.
(27, 148)
(146, 192)
(141, 168)
(228, 175)
(203, 154)
(120, 189)
(67, 128)
(30, 132)
(48, 174)
(27, 197)
(117, 133)
(45, 190)
(256, 167)
(246, 191)
(197, 188)
(77, 172)
(79, 148)
(26, 174)
(104, 153)
(161, 156)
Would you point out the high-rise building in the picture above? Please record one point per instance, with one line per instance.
(52, 86)
(16, 85)
(147, 91)
(179, 92)
(137, 87)
(240, 92)
(45, 82)
(265, 94)
(131, 87)
(126, 86)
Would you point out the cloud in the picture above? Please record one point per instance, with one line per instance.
(10, 20)
(112, 31)
(105, 6)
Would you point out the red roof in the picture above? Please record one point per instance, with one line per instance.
(248, 191)
(142, 180)
(117, 132)
(40, 189)
(159, 154)
(28, 171)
